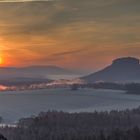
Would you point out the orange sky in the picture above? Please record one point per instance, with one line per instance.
(77, 34)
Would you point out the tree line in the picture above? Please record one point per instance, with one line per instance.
(131, 88)
(53, 125)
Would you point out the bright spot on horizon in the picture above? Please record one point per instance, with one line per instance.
(1, 61)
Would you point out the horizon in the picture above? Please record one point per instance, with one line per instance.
(68, 33)
(74, 71)
(57, 66)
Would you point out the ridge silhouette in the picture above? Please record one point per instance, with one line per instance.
(121, 70)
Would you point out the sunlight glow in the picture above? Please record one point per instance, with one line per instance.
(1, 61)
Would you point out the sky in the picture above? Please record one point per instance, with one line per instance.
(76, 34)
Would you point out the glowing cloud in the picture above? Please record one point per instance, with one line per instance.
(69, 32)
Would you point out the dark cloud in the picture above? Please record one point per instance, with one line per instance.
(46, 16)
(69, 52)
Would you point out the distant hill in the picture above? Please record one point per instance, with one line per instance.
(121, 70)
(33, 71)
(50, 70)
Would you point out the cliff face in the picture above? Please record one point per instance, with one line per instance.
(127, 61)
(121, 70)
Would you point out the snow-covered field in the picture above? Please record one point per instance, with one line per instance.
(15, 105)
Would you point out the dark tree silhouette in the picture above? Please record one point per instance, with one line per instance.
(2, 137)
(53, 125)
(74, 87)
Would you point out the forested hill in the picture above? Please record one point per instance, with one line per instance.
(115, 125)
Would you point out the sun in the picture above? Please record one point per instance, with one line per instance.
(1, 60)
